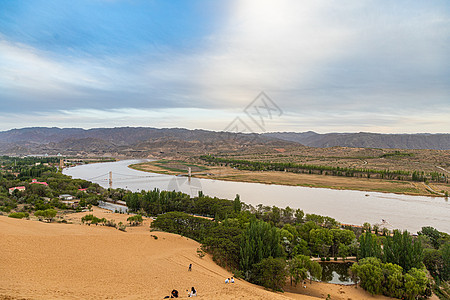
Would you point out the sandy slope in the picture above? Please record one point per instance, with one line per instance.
(73, 261)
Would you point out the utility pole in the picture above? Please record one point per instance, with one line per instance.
(189, 172)
(110, 179)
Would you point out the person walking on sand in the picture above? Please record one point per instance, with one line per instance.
(227, 280)
(190, 267)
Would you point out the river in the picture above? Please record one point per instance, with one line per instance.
(349, 207)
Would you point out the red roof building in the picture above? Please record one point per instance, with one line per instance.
(39, 182)
(20, 188)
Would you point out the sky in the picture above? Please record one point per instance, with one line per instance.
(281, 65)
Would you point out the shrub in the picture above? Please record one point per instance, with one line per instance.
(19, 215)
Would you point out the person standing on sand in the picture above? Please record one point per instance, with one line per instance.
(190, 267)
(232, 280)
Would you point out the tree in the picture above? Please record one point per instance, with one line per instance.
(321, 240)
(260, 240)
(400, 249)
(344, 251)
(315, 271)
(392, 285)
(369, 272)
(433, 234)
(367, 227)
(369, 246)
(299, 214)
(237, 205)
(445, 252)
(47, 214)
(388, 279)
(135, 220)
(341, 237)
(270, 273)
(298, 268)
(415, 283)
(433, 261)
(223, 242)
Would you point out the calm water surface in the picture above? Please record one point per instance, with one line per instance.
(336, 273)
(350, 207)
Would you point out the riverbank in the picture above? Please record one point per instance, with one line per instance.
(305, 180)
(65, 261)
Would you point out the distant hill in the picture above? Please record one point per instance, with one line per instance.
(134, 141)
(146, 141)
(366, 140)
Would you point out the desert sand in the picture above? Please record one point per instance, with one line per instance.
(72, 261)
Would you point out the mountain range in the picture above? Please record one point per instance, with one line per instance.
(137, 141)
(367, 140)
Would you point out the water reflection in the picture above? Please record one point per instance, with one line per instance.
(337, 273)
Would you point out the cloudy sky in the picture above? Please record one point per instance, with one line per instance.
(329, 66)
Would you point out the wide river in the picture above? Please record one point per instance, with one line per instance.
(350, 207)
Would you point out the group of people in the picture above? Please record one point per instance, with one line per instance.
(228, 280)
(193, 291)
(175, 294)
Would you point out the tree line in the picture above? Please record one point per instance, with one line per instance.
(325, 170)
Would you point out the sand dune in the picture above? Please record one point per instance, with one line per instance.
(72, 261)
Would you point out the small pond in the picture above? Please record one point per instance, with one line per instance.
(333, 272)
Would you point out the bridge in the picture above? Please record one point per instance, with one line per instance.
(123, 178)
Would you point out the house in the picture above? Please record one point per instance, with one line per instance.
(66, 197)
(83, 190)
(20, 188)
(38, 182)
(71, 203)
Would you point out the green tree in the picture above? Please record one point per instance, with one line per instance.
(445, 252)
(400, 249)
(369, 246)
(369, 272)
(415, 283)
(433, 234)
(299, 214)
(392, 285)
(237, 205)
(367, 227)
(321, 240)
(315, 271)
(223, 242)
(270, 273)
(135, 220)
(432, 259)
(298, 268)
(341, 237)
(260, 240)
(47, 214)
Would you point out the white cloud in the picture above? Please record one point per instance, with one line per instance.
(331, 65)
